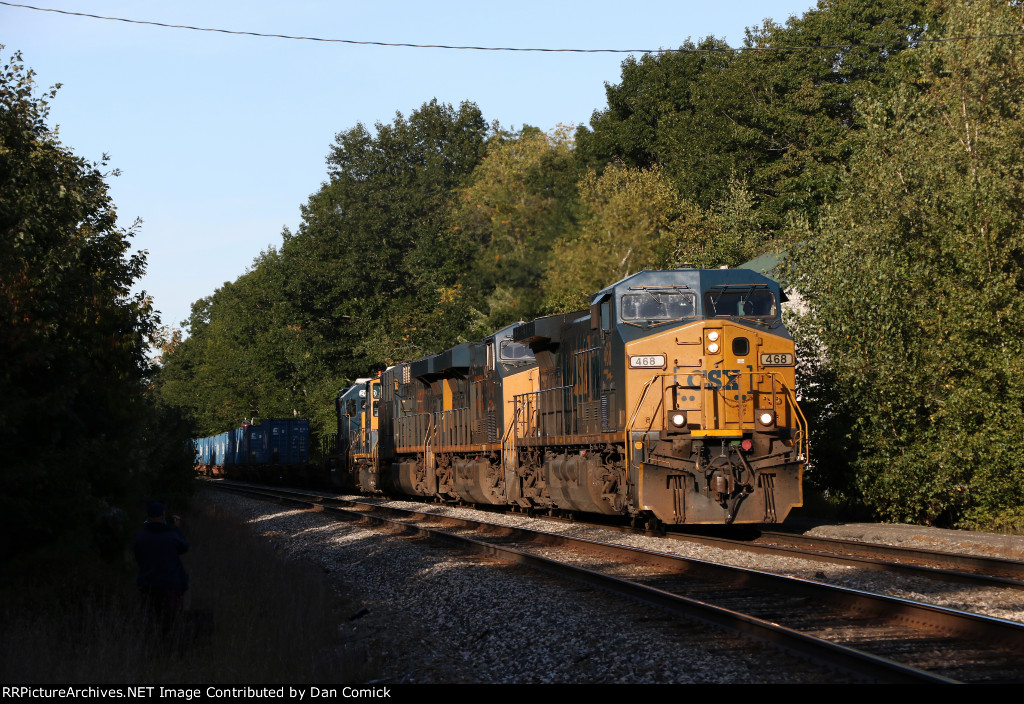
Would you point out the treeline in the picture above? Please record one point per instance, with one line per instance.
(884, 163)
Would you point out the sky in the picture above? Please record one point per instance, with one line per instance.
(220, 139)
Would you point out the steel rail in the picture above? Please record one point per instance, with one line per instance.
(982, 564)
(863, 558)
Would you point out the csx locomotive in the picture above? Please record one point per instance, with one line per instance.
(670, 400)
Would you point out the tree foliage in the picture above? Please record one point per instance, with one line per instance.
(779, 122)
(77, 430)
(371, 276)
(627, 222)
(374, 254)
(241, 361)
(520, 199)
(914, 282)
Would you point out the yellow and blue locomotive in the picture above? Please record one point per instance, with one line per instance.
(670, 400)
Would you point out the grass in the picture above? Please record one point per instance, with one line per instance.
(252, 617)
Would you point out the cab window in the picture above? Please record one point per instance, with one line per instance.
(741, 302)
(658, 305)
(514, 352)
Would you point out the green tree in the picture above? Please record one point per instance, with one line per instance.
(656, 117)
(77, 430)
(914, 283)
(374, 274)
(778, 121)
(241, 360)
(627, 225)
(521, 198)
(727, 234)
(633, 219)
(373, 270)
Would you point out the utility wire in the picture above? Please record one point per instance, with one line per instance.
(693, 50)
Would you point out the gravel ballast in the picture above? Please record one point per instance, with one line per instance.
(431, 615)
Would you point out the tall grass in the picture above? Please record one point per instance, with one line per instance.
(252, 617)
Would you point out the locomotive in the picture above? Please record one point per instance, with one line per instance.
(670, 400)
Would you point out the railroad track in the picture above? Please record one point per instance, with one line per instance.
(872, 636)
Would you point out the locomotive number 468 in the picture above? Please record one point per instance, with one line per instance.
(647, 361)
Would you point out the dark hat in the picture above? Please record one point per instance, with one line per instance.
(155, 509)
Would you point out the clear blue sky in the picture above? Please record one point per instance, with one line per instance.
(221, 138)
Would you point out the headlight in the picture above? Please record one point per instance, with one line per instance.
(712, 335)
(678, 419)
(766, 418)
(713, 348)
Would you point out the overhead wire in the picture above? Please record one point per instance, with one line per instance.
(694, 50)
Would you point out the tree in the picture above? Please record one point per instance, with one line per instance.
(373, 275)
(656, 117)
(520, 199)
(241, 359)
(373, 271)
(633, 219)
(914, 283)
(779, 121)
(74, 417)
(627, 225)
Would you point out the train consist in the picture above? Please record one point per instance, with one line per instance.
(670, 400)
(266, 451)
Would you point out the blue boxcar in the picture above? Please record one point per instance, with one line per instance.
(257, 447)
(219, 453)
(288, 440)
(282, 441)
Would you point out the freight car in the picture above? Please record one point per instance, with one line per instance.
(670, 400)
(268, 451)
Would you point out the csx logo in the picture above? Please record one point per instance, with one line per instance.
(725, 379)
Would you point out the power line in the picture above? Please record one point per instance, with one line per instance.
(694, 50)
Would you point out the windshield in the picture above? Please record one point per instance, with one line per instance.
(514, 352)
(658, 305)
(741, 302)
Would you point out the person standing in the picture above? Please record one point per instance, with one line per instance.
(162, 578)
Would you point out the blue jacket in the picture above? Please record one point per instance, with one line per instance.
(157, 547)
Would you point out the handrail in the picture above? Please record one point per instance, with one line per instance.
(539, 394)
(508, 438)
(428, 453)
(636, 413)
